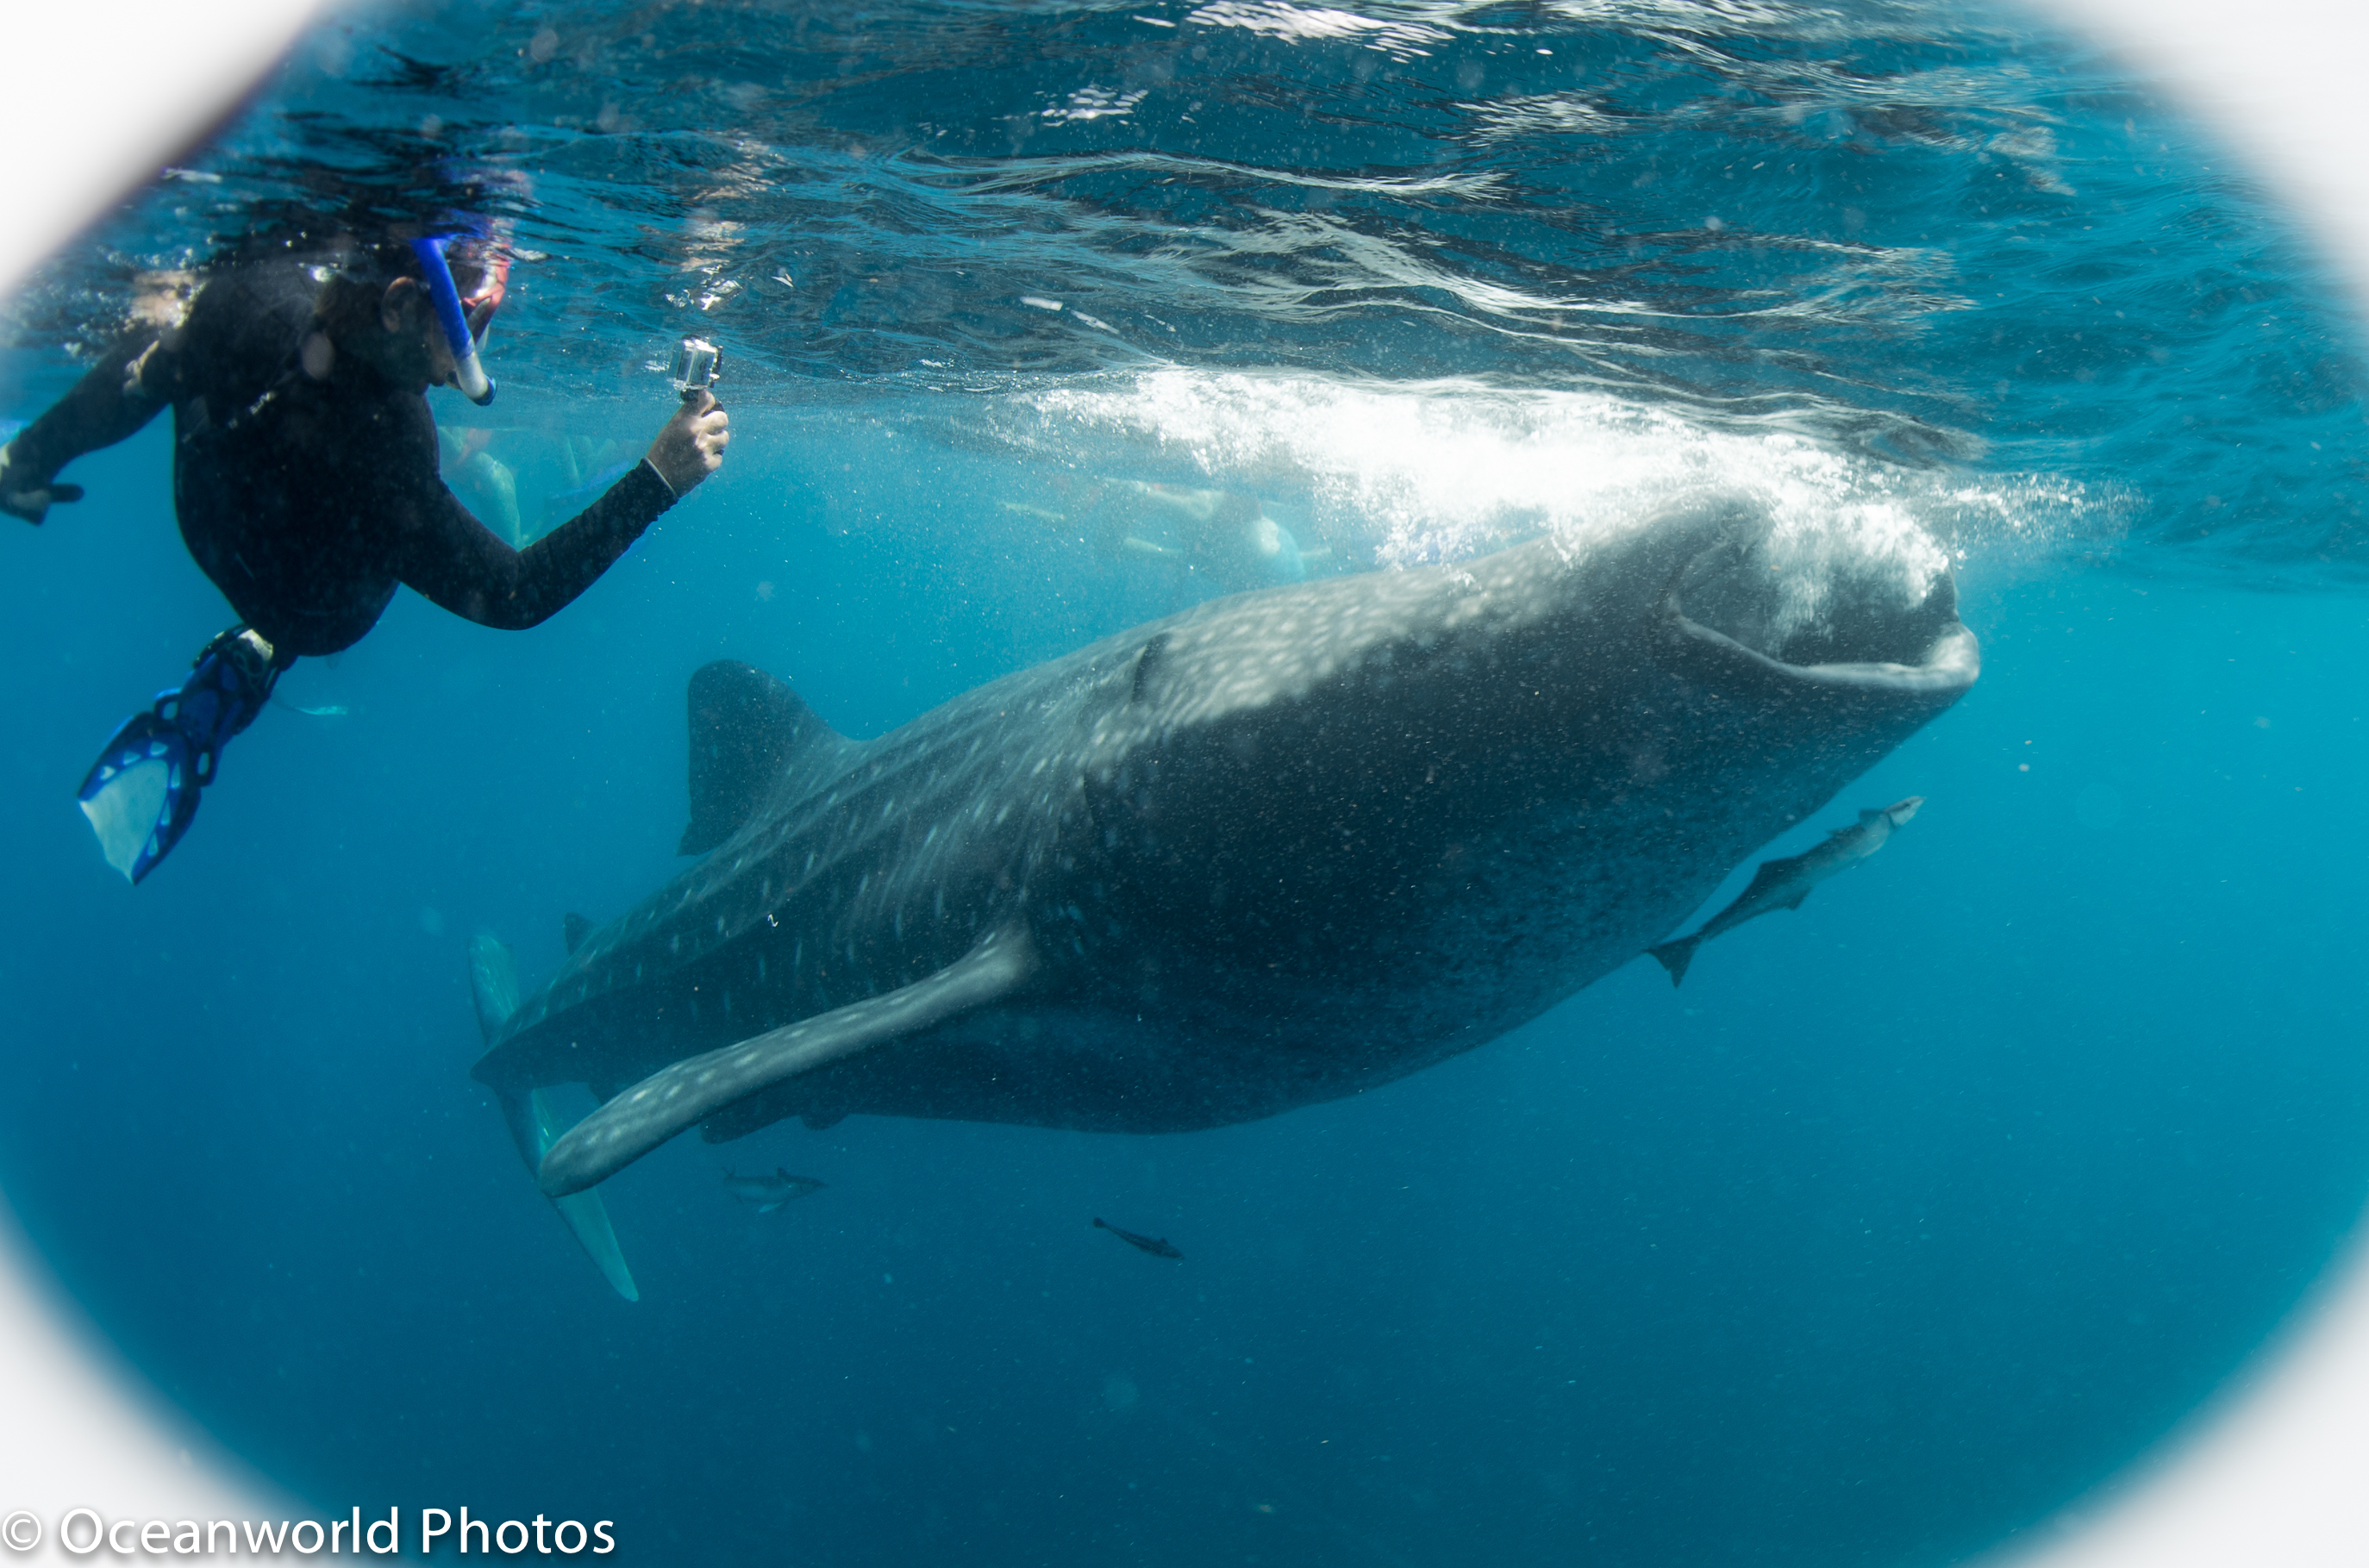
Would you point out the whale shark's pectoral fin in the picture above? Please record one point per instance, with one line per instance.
(689, 1092)
(493, 984)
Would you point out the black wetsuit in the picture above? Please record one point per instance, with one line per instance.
(308, 500)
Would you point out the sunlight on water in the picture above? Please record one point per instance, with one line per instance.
(1439, 471)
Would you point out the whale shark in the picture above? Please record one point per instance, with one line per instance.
(1277, 848)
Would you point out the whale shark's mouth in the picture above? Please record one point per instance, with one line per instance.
(1854, 597)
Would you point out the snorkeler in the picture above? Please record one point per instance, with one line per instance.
(305, 476)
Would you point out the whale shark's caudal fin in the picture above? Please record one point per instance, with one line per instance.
(746, 727)
(493, 984)
(586, 1215)
(675, 1097)
(1675, 955)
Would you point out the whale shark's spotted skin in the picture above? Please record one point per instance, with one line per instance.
(1277, 848)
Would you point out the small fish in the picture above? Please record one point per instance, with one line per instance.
(768, 1193)
(1156, 1245)
(1783, 884)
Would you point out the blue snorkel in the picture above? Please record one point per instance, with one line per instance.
(468, 375)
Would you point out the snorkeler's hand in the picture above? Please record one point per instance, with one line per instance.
(29, 496)
(691, 446)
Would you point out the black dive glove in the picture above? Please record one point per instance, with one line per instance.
(28, 495)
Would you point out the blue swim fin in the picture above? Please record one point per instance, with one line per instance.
(142, 794)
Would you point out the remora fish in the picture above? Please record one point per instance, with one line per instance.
(1156, 1245)
(1279, 849)
(768, 1193)
(1783, 884)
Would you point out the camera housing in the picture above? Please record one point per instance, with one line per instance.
(696, 365)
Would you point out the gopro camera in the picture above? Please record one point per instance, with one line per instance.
(696, 361)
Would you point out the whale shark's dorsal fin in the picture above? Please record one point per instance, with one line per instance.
(492, 985)
(746, 727)
(573, 929)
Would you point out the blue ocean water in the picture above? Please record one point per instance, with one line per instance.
(1914, 1217)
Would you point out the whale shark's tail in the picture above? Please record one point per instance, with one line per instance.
(493, 983)
(1675, 955)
